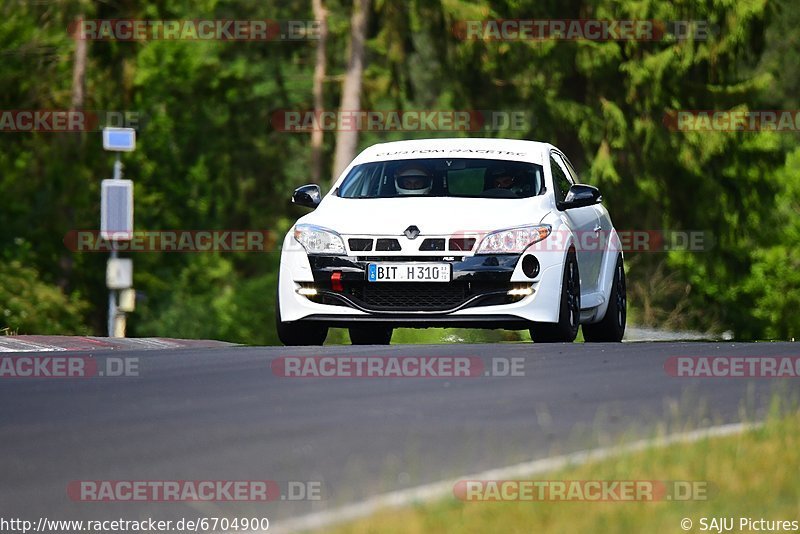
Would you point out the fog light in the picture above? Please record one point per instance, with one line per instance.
(530, 266)
(307, 291)
(521, 291)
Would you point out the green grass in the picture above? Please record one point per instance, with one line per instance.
(754, 475)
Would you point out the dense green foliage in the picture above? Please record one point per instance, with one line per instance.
(209, 158)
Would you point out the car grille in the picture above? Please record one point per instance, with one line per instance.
(431, 244)
(415, 296)
(360, 245)
(387, 244)
(465, 243)
(405, 258)
(412, 296)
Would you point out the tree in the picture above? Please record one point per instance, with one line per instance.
(320, 66)
(347, 140)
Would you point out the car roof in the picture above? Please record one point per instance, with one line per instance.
(462, 147)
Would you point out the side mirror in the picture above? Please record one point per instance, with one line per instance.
(307, 195)
(580, 195)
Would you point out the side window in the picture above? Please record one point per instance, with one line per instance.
(560, 180)
(362, 181)
(570, 169)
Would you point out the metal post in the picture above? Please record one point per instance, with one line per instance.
(112, 305)
(112, 293)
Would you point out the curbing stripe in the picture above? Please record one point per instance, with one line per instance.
(37, 343)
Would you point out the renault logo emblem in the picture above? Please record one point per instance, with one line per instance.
(412, 232)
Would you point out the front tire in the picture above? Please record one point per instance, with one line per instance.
(296, 334)
(370, 335)
(566, 329)
(612, 327)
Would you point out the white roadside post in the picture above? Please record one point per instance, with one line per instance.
(116, 224)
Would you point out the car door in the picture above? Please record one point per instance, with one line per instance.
(584, 222)
(602, 232)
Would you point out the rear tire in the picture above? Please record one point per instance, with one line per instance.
(569, 314)
(370, 335)
(612, 327)
(297, 333)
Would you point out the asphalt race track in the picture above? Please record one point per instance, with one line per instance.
(222, 414)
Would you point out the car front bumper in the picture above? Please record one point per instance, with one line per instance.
(477, 296)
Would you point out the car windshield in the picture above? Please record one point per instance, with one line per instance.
(474, 178)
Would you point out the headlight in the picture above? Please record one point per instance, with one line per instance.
(513, 240)
(317, 240)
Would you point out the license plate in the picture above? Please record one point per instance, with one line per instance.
(408, 272)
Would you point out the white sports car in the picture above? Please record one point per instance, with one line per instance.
(474, 233)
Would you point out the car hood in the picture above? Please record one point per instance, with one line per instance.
(432, 215)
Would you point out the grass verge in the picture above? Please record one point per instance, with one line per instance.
(751, 475)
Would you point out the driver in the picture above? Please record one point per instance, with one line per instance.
(413, 179)
(505, 179)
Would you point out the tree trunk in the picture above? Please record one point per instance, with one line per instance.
(79, 71)
(75, 138)
(347, 140)
(321, 15)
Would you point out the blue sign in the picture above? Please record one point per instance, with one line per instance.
(119, 139)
